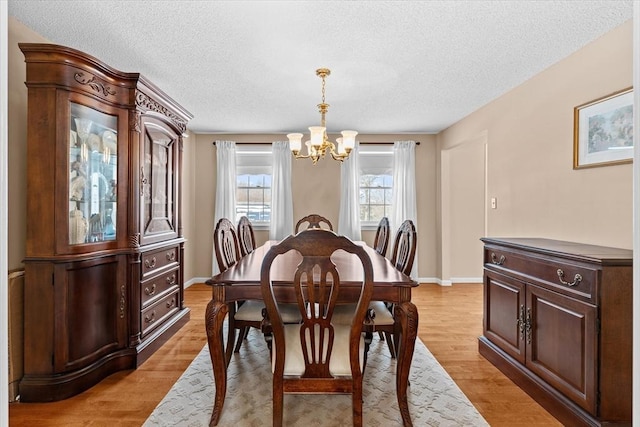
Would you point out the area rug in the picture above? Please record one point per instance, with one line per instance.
(434, 399)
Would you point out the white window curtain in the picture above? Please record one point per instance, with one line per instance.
(349, 216)
(404, 190)
(281, 195)
(225, 188)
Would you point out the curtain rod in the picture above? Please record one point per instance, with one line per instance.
(362, 143)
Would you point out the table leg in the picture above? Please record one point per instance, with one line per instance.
(214, 321)
(407, 316)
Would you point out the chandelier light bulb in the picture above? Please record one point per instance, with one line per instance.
(295, 142)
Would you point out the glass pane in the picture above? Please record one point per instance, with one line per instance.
(364, 196)
(376, 212)
(242, 180)
(157, 179)
(376, 196)
(387, 196)
(93, 174)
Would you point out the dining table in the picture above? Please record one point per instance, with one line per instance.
(241, 282)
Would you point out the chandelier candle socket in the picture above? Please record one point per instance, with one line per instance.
(318, 143)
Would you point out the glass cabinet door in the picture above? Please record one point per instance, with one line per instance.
(93, 156)
(158, 181)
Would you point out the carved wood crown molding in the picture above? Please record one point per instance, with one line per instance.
(144, 101)
(94, 84)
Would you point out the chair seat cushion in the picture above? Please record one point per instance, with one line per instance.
(342, 314)
(339, 365)
(251, 311)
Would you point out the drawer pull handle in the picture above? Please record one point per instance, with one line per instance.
(150, 263)
(496, 261)
(171, 303)
(521, 322)
(171, 279)
(150, 291)
(576, 279)
(528, 326)
(171, 256)
(151, 318)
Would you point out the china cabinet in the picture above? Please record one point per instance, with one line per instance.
(104, 251)
(558, 322)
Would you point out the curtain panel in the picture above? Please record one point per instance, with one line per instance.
(225, 188)
(281, 196)
(404, 189)
(349, 214)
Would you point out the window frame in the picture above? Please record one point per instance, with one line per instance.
(253, 159)
(374, 160)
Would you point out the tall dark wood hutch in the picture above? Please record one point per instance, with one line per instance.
(104, 252)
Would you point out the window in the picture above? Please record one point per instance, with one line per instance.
(376, 183)
(253, 183)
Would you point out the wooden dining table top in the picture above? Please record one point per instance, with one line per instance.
(247, 270)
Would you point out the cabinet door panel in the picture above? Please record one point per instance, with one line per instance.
(562, 345)
(504, 308)
(92, 317)
(159, 181)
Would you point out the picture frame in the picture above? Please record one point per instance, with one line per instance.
(603, 131)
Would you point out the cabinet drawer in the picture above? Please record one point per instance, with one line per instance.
(156, 287)
(561, 276)
(154, 261)
(155, 314)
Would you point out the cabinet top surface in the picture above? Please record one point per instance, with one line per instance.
(563, 248)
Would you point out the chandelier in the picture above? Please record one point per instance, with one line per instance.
(318, 144)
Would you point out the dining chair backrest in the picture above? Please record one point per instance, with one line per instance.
(225, 243)
(316, 355)
(314, 221)
(246, 237)
(381, 241)
(404, 250)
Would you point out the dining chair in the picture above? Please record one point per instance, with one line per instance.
(404, 248)
(314, 221)
(404, 252)
(381, 241)
(242, 314)
(246, 237)
(381, 312)
(317, 356)
(380, 244)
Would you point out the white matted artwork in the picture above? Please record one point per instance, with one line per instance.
(603, 131)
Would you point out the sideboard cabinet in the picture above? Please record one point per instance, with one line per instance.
(558, 322)
(104, 250)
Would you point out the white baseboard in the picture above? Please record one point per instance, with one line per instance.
(449, 282)
(466, 280)
(195, 280)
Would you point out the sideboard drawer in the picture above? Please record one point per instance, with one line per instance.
(156, 287)
(559, 275)
(155, 314)
(155, 261)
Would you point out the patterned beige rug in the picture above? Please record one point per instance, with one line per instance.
(434, 399)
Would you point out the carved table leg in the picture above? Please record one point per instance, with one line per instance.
(407, 316)
(214, 320)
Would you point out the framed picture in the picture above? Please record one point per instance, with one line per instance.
(603, 131)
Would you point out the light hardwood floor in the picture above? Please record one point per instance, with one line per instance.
(450, 322)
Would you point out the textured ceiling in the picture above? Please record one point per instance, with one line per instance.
(397, 66)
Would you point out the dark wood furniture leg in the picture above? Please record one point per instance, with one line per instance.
(407, 315)
(214, 321)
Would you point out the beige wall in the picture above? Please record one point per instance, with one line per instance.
(316, 189)
(529, 134)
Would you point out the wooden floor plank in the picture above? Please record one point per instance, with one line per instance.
(450, 322)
